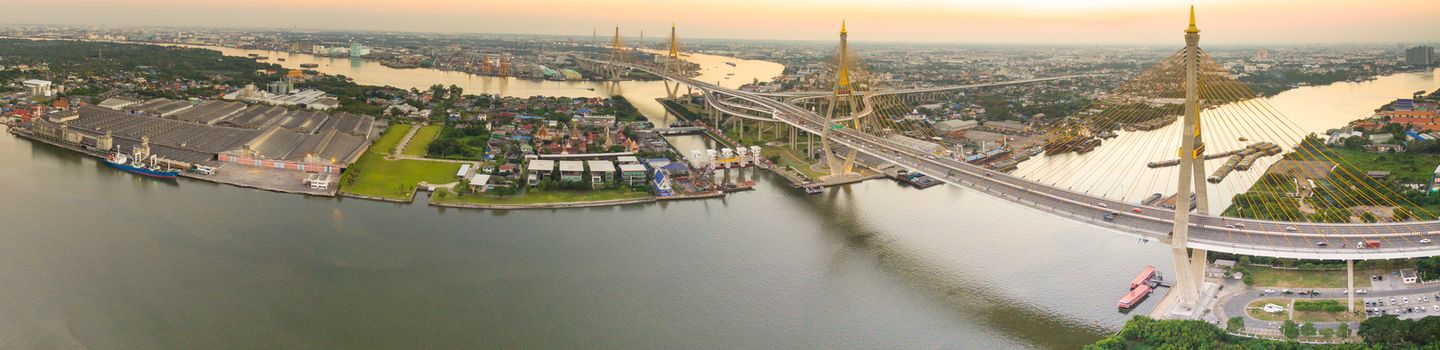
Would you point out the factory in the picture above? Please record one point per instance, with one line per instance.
(212, 133)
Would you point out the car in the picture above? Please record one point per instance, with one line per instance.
(1230, 226)
(1102, 205)
(1425, 241)
(1322, 244)
(1269, 291)
(1137, 210)
(1361, 291)
(1239, 225)
(1290, 228)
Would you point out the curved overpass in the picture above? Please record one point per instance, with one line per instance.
(1301, 240)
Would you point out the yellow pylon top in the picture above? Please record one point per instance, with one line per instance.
(842, 26)
(1193, 28)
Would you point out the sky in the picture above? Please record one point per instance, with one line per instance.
(1142, 22)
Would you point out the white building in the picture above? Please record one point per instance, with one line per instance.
(39, 87)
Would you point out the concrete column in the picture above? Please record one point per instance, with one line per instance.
(1350, 283)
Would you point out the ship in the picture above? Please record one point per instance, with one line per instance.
(732, 64)
(140, 161)
(308, 65)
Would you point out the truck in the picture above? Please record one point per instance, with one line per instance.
(1372, 244)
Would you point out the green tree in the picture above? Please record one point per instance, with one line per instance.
(1235, 324)
(1307, 329)
(1343, 330)
(1368, 217)
(1384, 330)
(1290, 329)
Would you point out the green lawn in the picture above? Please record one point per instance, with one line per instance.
(389, 139)
(1321, 316)
(422, 139)
(1268, 277)
(793, 159)
(1254, 309)
(372, 175)
(540, 197)
(1405, 167)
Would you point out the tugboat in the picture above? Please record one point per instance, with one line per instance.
(140, 161)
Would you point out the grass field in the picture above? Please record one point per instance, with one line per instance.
(1320, 316)
(1405, 167)
(794, 159)
(1254, 309)
(422, 139)
(389, 139)
(375, 176)
(541, 197)
(1268, 277)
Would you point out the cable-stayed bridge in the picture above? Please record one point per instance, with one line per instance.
(1318, 207)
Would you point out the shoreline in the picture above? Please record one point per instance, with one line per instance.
(338, 194)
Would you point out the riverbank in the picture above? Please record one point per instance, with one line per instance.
(273, 180)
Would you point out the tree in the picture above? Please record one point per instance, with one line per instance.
(1290, 330)
(1235, 324)
(1384, 330)
(1343, 330)
(1307, 329)
(1327, 333)
(1402, 214)
(1368, 217)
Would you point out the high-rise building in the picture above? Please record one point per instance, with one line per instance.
(1261, 55)
(1420, 56)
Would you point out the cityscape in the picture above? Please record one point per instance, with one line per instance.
(563, 183)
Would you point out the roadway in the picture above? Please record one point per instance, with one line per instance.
(1232, 235)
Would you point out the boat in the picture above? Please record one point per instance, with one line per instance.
(591, 89)
(1134, 297)
(813, 188)
(1143, 278)
(140, 161)
(309, 65)
(732, 64)
(281, 59)
(131, 164)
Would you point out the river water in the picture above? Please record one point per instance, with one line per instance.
(640, 93)
(97, 258)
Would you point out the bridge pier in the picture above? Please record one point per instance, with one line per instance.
(1350, 285)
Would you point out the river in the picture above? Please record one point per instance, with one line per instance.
(1311, 109)
(97, 258)
(640, 93)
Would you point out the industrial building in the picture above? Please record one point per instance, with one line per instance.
(213, 132)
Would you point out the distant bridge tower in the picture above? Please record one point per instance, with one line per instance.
(1190, 264)
(485, 66)
(673, 65)
(843, 94)
(617, 56)
(504, 66)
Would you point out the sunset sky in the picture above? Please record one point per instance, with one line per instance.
(962, 21)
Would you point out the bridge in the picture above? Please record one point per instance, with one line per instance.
(1191, 234)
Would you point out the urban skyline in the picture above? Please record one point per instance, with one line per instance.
(957, 21)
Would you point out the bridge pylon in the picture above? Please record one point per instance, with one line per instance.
(842, 94)
(617, 55)
(1190, 263)
(673, 65)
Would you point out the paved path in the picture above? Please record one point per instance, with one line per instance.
(400, 147)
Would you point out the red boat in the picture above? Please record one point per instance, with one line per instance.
(1145, 276)
(1133, 298)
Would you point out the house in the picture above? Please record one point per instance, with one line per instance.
(572, 170)
(539, 169)
(633, 174)
(480, 182)
(1409, 275)
(464, 171)
(602, 173)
